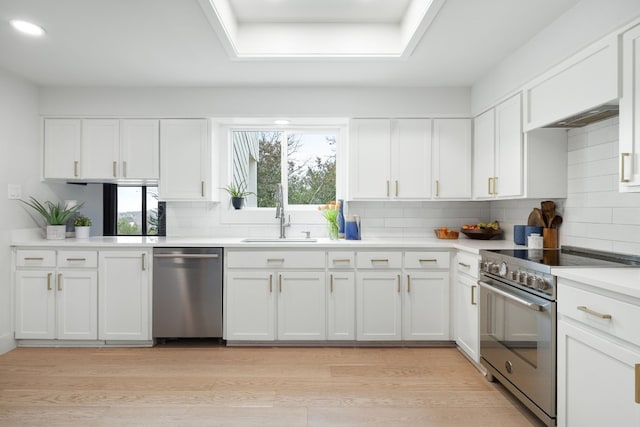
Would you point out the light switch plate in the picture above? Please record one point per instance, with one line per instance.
(15, 191)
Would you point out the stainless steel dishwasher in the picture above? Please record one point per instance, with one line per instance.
(187, 292)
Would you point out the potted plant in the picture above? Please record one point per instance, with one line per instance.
(83, 226)
(237, 193)
(55, 214)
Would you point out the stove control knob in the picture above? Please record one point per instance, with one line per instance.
(515, 275)
(523, 278)
(503, 270)
(531, 279)
(542, 284)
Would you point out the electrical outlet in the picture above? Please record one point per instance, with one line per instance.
(15, 191)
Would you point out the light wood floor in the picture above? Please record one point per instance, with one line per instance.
(180, 385)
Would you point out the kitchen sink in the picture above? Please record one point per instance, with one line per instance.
(277, 240)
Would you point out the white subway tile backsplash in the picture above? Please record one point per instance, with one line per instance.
(589, 215)
(577, 141)
(628, 216)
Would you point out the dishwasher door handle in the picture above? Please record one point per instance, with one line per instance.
(192, 256)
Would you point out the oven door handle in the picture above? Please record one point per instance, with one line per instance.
(530, 305)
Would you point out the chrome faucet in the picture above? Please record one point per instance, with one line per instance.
(280, 211)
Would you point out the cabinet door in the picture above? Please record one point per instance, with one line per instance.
(139, 149)
(250, 305)
(597, 379)
(341, 307)
(508, 148)
(379, 306)
(35, 304)
(483, 155)
(184, 151)
(62, 140)
(124, 295)
(630, 112)
(425, 310)
(370, 143)
(100, 149)
(301, 306)
(452, 158)
(77, 305)
(411, 159)
(466, 317)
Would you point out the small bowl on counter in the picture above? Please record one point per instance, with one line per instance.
(445, 233)
(482, 233)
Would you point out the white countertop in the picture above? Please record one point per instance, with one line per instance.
(624, 280)
(465, 244)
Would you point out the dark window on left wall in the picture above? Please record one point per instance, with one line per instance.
(133, 210)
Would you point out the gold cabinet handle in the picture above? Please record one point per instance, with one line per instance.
(399, 280)
(59, 281)
(396, 188)
(144, 262)
(280, 283)
(380, 260)
(622, 174)
(271, 283)
(428, 260)
(202, 188)
(49, 281)
(115, 171)
(34, 258)
(387, 188)
(341, 260)
(331, 283)
(75, 168)
(495, 185)
(637, 383)
(489, 185)
(594, 313)
(473, 295)
(275, 259)
(76, 259)
(437, 188)
(462, 264)
(124, 168)
(408, 283)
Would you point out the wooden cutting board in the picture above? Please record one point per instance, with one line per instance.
(536, 218)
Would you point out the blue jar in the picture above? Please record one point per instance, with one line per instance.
(341, 220)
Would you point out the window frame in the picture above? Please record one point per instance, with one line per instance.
(300, 214)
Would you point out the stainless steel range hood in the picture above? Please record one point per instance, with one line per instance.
(587, 117)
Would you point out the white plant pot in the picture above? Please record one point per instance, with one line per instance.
(56, 232)
(83, 232)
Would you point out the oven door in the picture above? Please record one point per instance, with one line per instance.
(518, 340)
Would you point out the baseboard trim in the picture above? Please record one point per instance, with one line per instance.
(7, 343)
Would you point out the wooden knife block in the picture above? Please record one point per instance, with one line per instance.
(550, 238)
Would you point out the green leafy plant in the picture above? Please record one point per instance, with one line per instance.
(82, 221)
(237, 191)
(53, 213)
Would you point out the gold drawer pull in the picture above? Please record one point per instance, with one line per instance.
(399, 280)
(380, 260)
(49, 281)
(59, 281)
(462, 264)
(408, 283)
(428, 260)
(594, 313)
(280, 282)
(337, 260)
(34, 259)
(270, 283)
(275, 259)
(76, 259)
(473, 295)
(331, 283)
(622, 174)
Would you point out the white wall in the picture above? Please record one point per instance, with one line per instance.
(585, 23)
(256, 102)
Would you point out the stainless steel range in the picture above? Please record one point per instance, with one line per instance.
(518, 318)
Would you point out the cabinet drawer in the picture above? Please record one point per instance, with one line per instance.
(426, 260)
(384, 260)
(591, 309)
(341, 260)
(78, 259)
(275, 259)
(35, 258)
(467, 263)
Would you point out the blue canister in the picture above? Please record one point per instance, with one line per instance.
(352, 228)
(519, 236)
(531, 229)
(341, 227)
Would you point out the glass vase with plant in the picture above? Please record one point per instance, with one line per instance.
(330, 212)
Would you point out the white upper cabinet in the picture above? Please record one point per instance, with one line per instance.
(498, 159)
(630, 112)
(370, 149)
(62, 140)
(185, 160)
(451, 158)
(102, 150)
(586, 80)
(139, 149)
(410, 159)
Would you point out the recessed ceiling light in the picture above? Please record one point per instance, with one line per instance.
(27, 27)
(281, 122)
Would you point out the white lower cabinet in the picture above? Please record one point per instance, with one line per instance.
(598, 358)
(379, 305)
(53, 302)
(280, 302)
(466, 296)
(341, 303)
(125, 295)
(425, 310)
